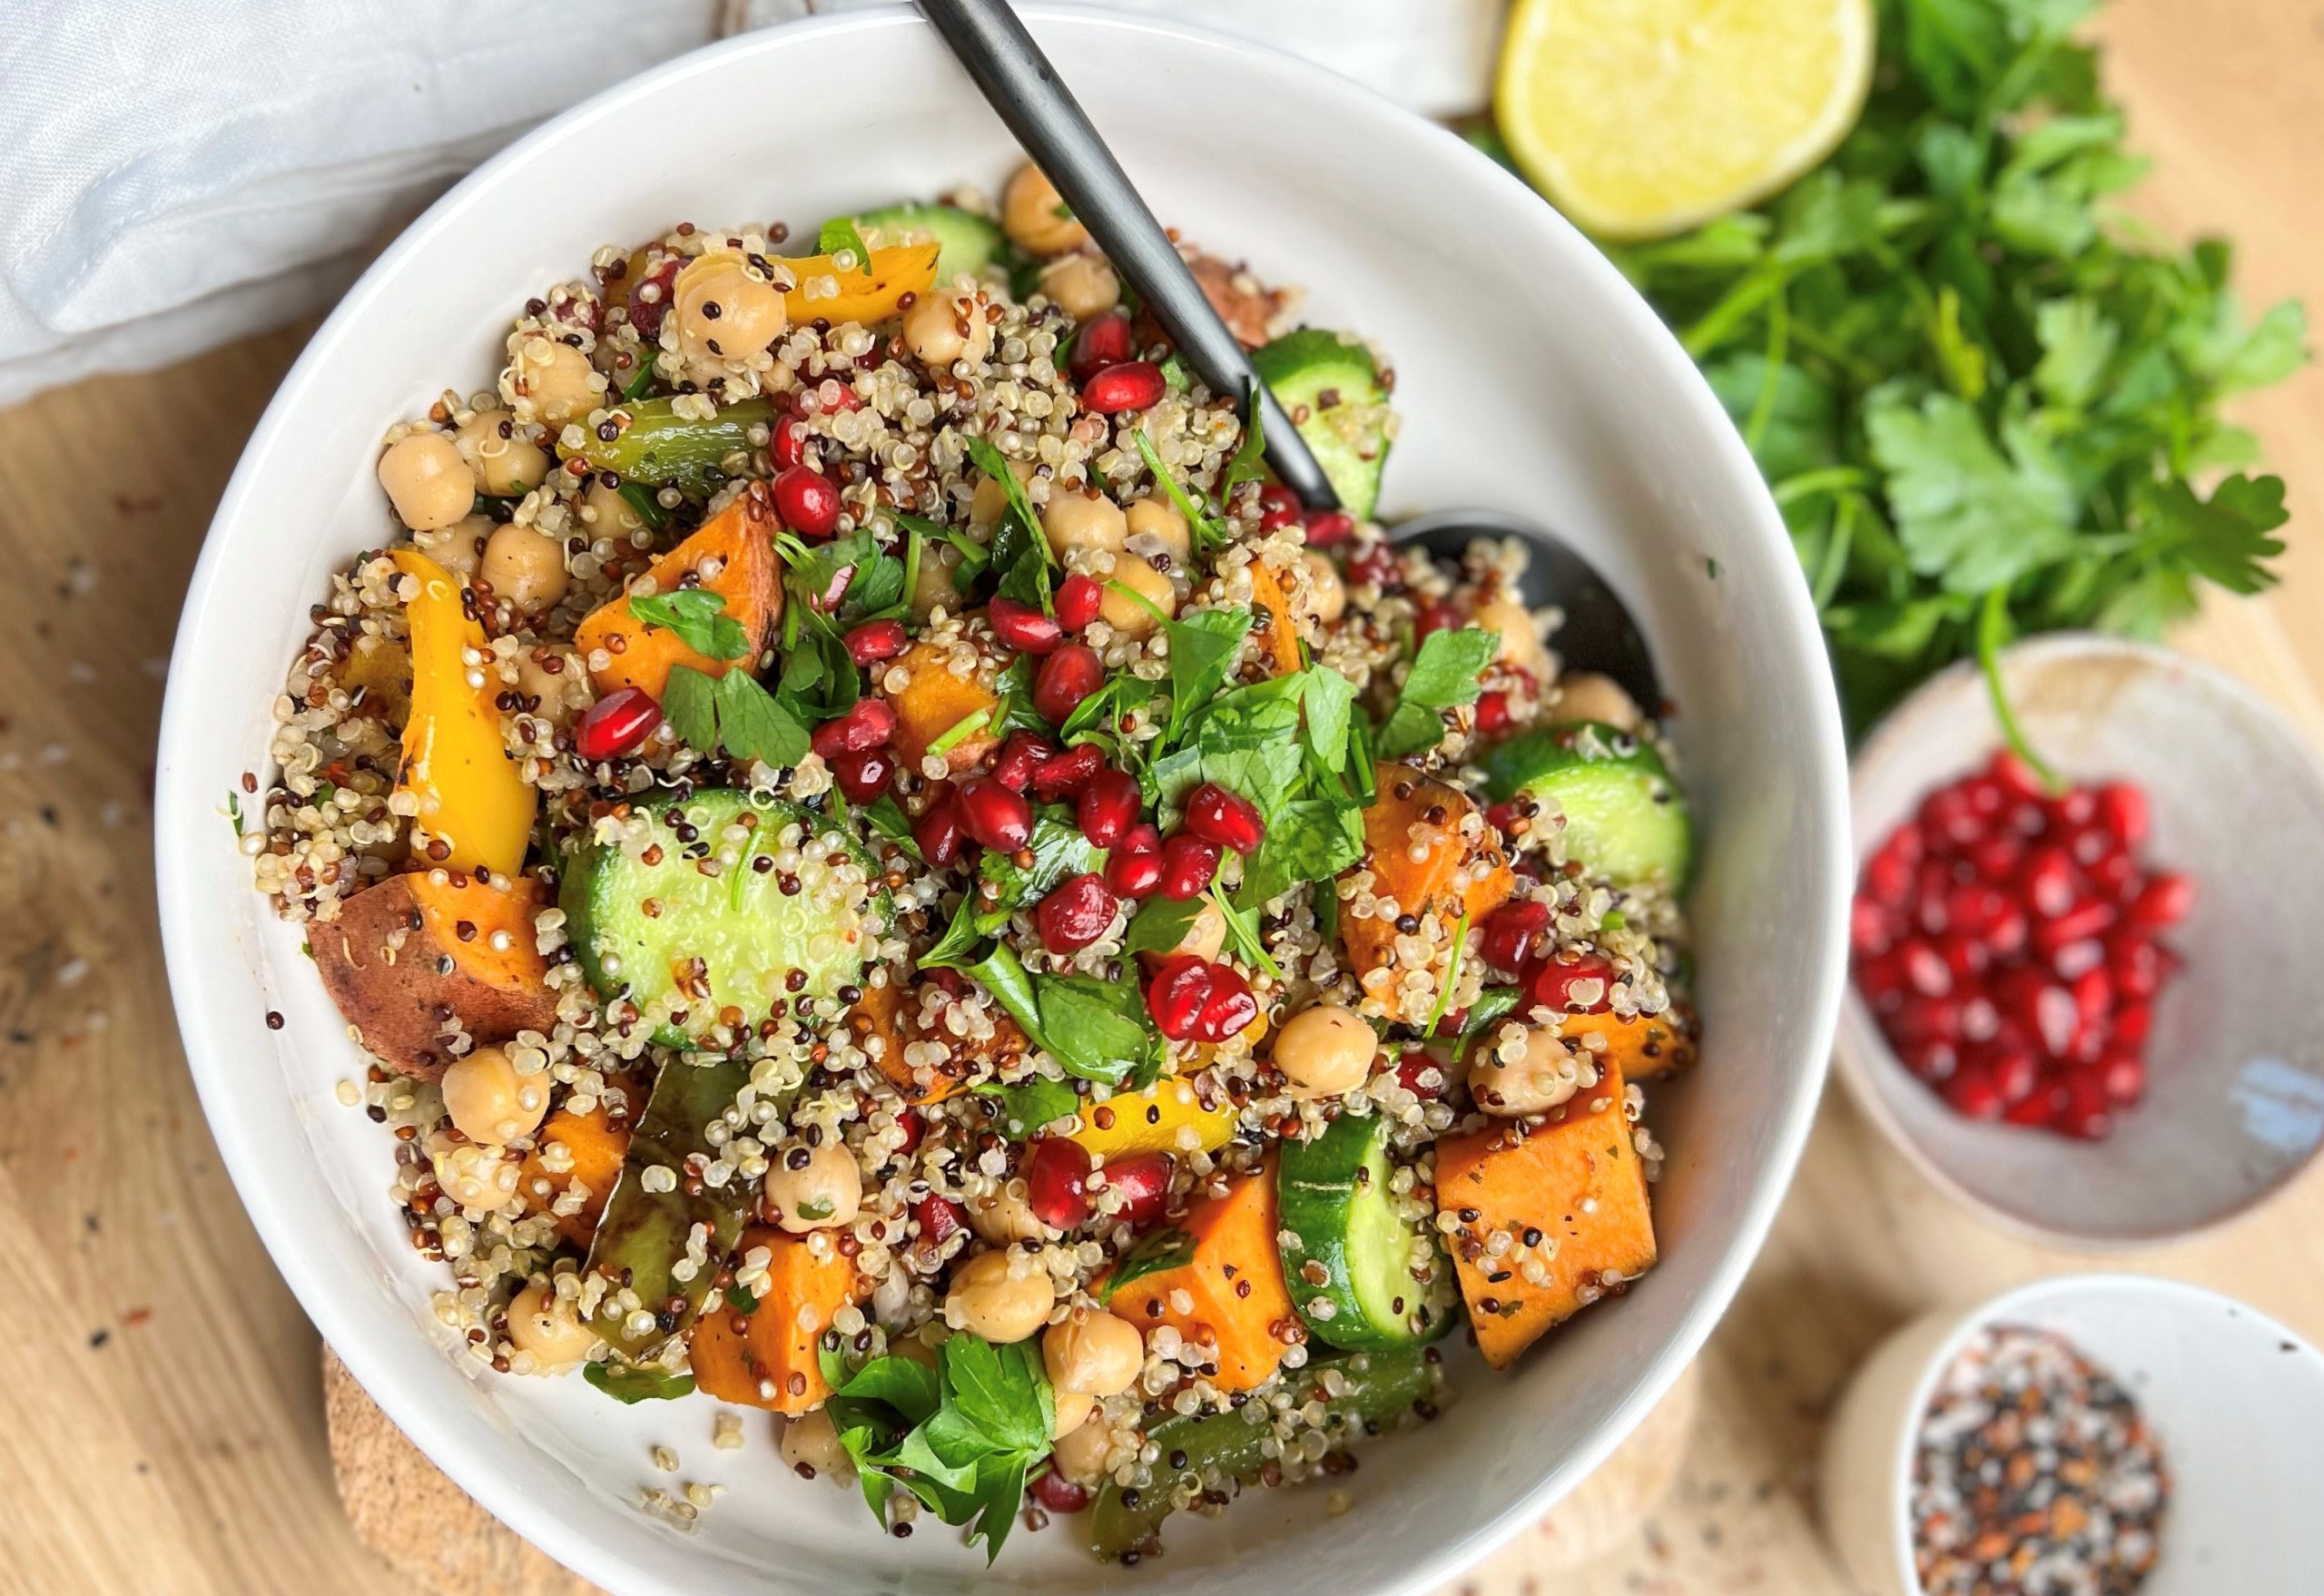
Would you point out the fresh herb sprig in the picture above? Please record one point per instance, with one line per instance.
(697, 617)
(1986, 405)
(1446, 673)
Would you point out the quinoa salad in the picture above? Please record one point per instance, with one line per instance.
(886, 873)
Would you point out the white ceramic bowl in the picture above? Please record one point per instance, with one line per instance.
(1531, 379)
(2235, 1063)
(2236, 1400)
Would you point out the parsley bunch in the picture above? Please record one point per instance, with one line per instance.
(962, 1437)
(1987, 404)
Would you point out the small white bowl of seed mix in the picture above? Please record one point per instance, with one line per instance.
(2088, 1435)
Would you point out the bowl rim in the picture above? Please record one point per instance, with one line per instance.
(1862, 1051)
(1993, 1310)
(375, 1360)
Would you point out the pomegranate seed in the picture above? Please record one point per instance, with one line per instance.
(993, 815)
(1230, 1008)
(1109, 808)
(1134, 874)
(2089, 1114)
(1492, 713)
(1329, 528)
(1510, 932)
(2123, 1077)
(1143, 1181)
(616, 723)
(1175, 995)
(1075, 913)
(1377, 566)
(2167, 899)
(2135, 964)
(1888, 879)
(2017, 777)
(1436, 616)
(1921, 1018)
(875, 641)
(1925, 970)
(1278, 507)
(1134, 385)
(1973, 1094)
(646, 313)
(808, 501)
(864, 776)
(1421, 1075)
(1998, 857)
(1056, 1172)
(1067, 677)
(1020, 756)
(1931, 1059)
(1217, 815)
(2075, 808)
(1078, 600)
(1059, 1495)
(2078, 924)
(2133, 1022)
(2016, 1073)
(939, 1218)
(937, 832)
(914, 1125)
(868, 723)
(1189, 863)
(788, 446)
(2047, 886)
(2055, 1021)
(1554, 987)
(1022, 627)
(2122, 813)
(1067, 775)
(1102, 341)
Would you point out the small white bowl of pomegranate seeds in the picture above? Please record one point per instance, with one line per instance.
(2087, 1006)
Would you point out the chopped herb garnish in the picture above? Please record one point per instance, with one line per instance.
(698, 617)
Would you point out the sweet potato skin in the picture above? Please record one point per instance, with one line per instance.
(740, 537)
(1234, 1278)
(767, 1358)
(412, 945)
(1577, 1178)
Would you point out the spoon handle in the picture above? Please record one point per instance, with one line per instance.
(1033, 101)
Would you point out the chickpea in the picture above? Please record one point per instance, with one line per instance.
(524, 566)
(489, 1102)
(1082, 284)
(544, 1324)
(944, 328)
(936, 586)
(814, 1188)
(478, 1178)
(1072, 1409)
(1036, 217)
(1081, 1452)
(1521, 634)
(1326, 597)
(810, 1445)
(1324, 1051)
(918, 1347)
(724, 310)
(559, 692)
(427, 480)
(1153, 520)
(1005, 1216)
(986, 504)
(1543, 1074)
(1083, 520)
(1093, 1352)
(556, 381)
(461, 545)
(1126, 615)
(506, 460)
(1585, 695)
(1001, 1296)
(607, 513)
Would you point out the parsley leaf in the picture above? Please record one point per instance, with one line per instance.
(1966, 514)
(1028, 1105)
(1447, 672)
(630, 1385)
(698, 617)
(734, 714)
(690, 704)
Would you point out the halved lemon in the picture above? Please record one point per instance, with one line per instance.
(1642, 118)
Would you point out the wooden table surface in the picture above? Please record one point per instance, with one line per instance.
(164, 1418)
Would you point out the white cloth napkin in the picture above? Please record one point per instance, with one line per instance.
(181, 173)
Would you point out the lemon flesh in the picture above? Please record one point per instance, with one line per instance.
(1642, 118)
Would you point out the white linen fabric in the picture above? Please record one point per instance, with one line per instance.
(181, 173)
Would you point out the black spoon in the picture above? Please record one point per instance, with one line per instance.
(1023, 87)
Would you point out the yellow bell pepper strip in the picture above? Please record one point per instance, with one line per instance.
(863, 296)
(472, 801)
(1152, 1121)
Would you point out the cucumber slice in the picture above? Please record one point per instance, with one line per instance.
(1625, 818)
(1347, 1256)
(1336, 386)
(747, 933)
(968, 243)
